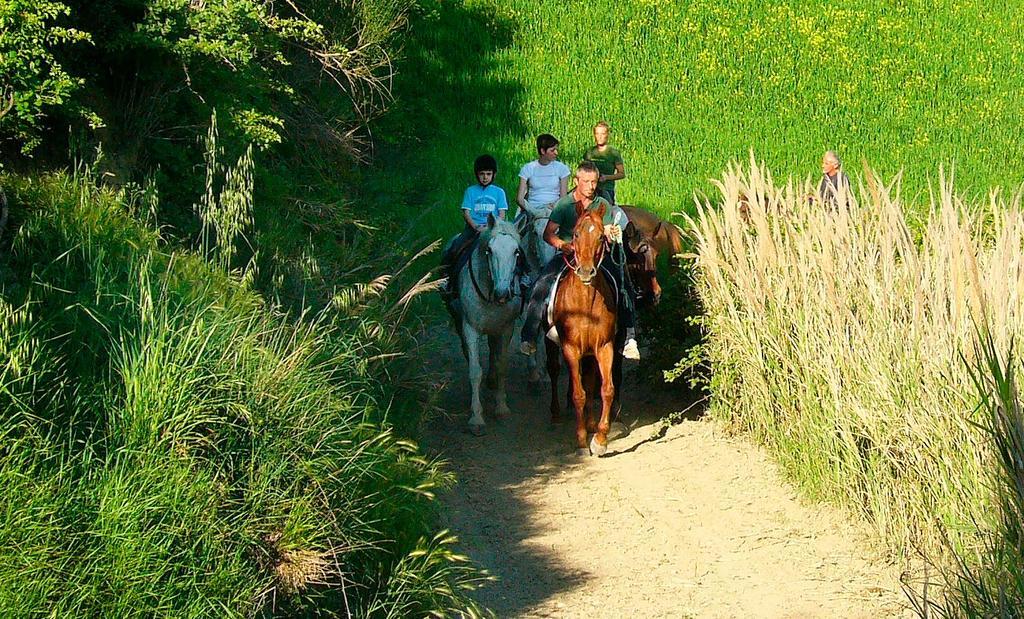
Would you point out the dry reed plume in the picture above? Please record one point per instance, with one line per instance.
(835, 337)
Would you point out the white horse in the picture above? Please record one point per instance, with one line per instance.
(488, 304)
(537, 253)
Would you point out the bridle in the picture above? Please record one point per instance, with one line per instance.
(489, 298)
(574, 265)
(640, 260)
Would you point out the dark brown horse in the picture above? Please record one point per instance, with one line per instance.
(584, 314)
(646, 237)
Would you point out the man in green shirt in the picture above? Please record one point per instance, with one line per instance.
(559, 233)
(608, 161)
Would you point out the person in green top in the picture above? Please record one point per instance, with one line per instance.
(559, 233)
(608, 160)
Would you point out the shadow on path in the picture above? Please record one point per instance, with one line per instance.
(492, 509)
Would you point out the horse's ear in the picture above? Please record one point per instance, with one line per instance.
(631, 236)
(599, 211)
(491, 221)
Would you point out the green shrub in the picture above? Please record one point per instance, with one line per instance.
(156, 69)
(33, 82)
(175, 447)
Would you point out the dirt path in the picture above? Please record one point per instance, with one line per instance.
(691, 524)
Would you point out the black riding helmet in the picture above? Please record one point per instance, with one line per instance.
(485, 163)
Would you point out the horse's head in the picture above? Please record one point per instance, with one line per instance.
(499, 244)
(536, 250)
(642, 258)
(588, 243)
(545, 252)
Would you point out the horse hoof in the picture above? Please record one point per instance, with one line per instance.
(597, 449)
(502, 413)
(582, 452)
(617, 430)
(476, 429)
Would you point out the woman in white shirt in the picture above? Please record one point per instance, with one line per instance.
(544, 181)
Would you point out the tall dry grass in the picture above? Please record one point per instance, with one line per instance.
(836, 334)
(172, 444)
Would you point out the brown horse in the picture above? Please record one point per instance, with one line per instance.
(645, 238)
(584, 314)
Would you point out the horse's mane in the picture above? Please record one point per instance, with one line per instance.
(658, 227)
(675, 237)
(500, 227)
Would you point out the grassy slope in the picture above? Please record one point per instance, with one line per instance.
(172, 447)
(689, 86)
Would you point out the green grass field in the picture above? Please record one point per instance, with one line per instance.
(687, 87)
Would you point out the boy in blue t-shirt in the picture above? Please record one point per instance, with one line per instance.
(478, 201)
(484, 198)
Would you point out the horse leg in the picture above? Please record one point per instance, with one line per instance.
(579, 397)
(618, 429)
(605, 356)
(536, 360)
(554, 362)
(533, 367)
(568, 397)
(472, 341)
(588, 369)
(499, 367)
(617, 381)
(492, 363)
(568, 390)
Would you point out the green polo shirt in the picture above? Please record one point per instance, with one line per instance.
(564, 214)
(605, 161)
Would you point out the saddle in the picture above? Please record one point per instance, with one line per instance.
(460, 256)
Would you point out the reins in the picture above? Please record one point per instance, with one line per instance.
(476, 285)
(489, 298)
(597, 261)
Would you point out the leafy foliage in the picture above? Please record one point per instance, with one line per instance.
(300, 69)
(32, 81)
(175, 447)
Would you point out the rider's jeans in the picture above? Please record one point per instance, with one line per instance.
(542, 290)
(464, 238)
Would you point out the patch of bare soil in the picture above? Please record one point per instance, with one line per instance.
(679, 523)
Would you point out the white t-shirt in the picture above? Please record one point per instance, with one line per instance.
(542, 182)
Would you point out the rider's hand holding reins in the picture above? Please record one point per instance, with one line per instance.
(613, 232)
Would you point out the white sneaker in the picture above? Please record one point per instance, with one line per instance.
(630, 350)
(527, 348)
